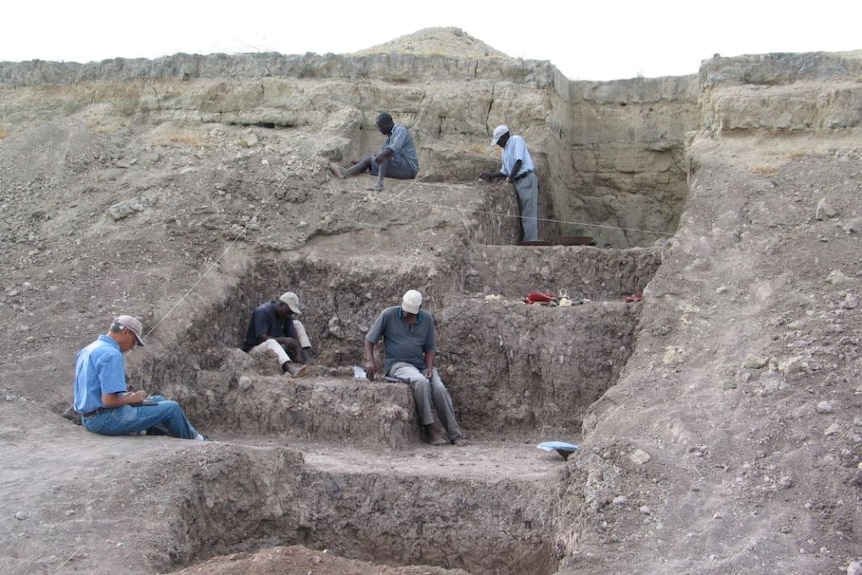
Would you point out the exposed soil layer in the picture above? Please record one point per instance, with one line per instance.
(711, 374)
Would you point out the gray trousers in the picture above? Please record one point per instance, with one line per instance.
(527, 189)
(427, 393)
(395, 167)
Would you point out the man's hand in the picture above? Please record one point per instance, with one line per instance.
(429, 372)
(135, 397)
(288, 342)
(384, 155)
(369, 370)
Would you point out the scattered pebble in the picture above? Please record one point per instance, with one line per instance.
(824, 407)
(640, 457)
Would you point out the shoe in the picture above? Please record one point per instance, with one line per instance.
(295, 369)
(307, 356)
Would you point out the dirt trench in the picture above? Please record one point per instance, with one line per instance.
(360, 482)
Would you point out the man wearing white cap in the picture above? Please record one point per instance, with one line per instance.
(273, 331)
(101, 395)
(409, 348)
(519, 171)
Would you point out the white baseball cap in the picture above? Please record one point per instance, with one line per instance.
(412, 301)
(292, 301)
(498, 133)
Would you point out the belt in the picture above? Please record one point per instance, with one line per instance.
(94, 412)
(523, 175)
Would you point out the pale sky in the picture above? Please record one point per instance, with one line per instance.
(596, 40)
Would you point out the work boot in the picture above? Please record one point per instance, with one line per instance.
(294, 369)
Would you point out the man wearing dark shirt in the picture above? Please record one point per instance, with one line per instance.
(272, 331)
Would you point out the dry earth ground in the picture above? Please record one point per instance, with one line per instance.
(729, 442)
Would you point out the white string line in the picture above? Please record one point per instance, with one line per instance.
(396, 199)
(215, 263)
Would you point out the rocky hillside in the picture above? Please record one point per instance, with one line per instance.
(710, 367)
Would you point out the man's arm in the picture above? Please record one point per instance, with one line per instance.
(491, 176)
(123, 398)
(515, 169)
(384, 155)
(111, 371)
(369, 359)
(429, 363)
(510, 177)
(289, 337)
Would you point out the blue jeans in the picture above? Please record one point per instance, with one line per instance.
(167, 416)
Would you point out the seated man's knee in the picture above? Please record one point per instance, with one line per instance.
(421, 382)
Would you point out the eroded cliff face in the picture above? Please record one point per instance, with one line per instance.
(609, 155)
(719, 412)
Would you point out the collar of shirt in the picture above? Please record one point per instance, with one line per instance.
(108, 339)
(418, 315)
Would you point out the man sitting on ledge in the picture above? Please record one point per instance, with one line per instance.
(409, 348)
(273, 331)
(101, 395)
(396, 159)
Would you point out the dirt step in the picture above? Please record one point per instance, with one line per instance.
(315, 407)
(481, 460)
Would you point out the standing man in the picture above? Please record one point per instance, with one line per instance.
(273, 331)
(106, 407)
(518, 170)
(396, 159)
(409, 348)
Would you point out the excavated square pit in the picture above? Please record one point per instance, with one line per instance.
(337, 463)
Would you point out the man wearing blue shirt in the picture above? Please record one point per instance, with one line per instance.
(409, 348)
(519, 171)
(101, 396)
(396, 159)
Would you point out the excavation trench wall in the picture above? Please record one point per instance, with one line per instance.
(509, 366)
(251, 497)
(609, 155)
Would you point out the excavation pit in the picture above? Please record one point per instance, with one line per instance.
(330, 462)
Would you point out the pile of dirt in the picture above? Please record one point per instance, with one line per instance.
(436, 42)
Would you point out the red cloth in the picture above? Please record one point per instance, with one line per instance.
(538, 297)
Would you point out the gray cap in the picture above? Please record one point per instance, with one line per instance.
(132, 324)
